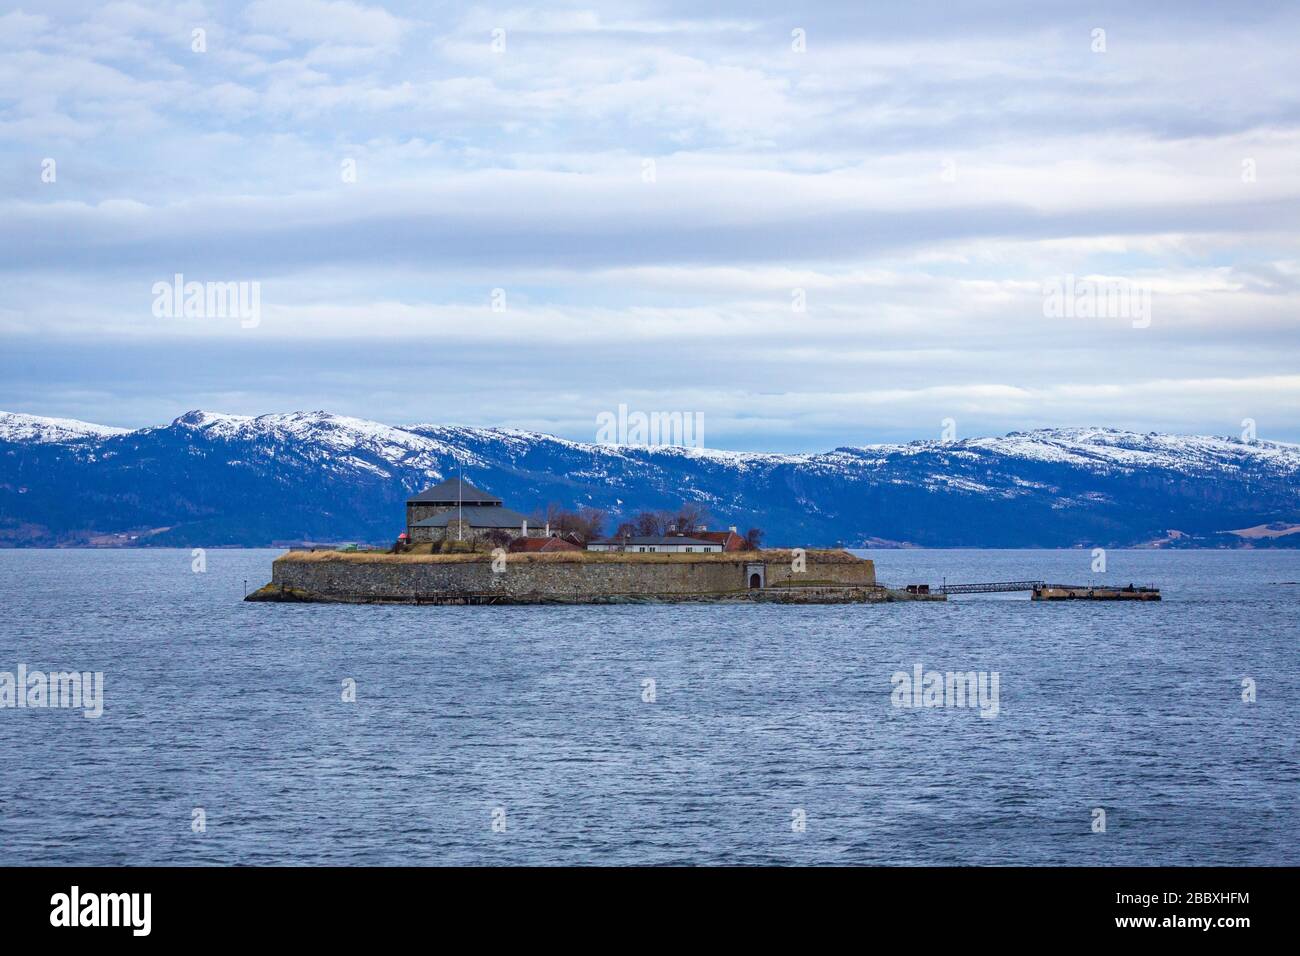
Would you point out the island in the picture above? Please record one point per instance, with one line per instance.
(463, 546)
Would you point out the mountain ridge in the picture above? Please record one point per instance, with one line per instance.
(209, 478)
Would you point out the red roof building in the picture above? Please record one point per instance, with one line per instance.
(730, 540)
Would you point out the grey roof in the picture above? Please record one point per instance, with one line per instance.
(657, 539)
(485, 517)
(447, 492)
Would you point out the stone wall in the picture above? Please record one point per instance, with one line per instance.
(475, 536)
(561, 576)
(472, 535)
(416, 513)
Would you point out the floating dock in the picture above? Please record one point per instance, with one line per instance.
(1043, 591)
(1076, 592)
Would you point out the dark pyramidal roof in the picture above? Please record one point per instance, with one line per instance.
(451, 490)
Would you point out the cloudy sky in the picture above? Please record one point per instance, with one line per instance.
(816, 224)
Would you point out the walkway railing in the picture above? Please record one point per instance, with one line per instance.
(989, 587)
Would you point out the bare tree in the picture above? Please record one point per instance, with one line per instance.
(754, 539)
(691, 516)
(683, 519)
(648, 523)
(584, 524)
(588, 524)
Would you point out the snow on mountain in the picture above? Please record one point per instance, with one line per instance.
(1102, 449)
(416, 445)
(334, 441)
(315, 476)
(16, 427)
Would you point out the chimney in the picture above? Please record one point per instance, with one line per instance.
(524, 532)
(733, 530)
(548, 529)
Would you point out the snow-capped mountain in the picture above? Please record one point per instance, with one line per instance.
(33, 428)
(210, 479)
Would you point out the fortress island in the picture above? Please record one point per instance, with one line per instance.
(463, 546)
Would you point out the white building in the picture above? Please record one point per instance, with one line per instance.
(649, 544)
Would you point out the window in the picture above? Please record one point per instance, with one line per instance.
(688, 549)
(640, 549)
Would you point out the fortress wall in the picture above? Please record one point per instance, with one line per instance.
(526, 576)
(781, 573)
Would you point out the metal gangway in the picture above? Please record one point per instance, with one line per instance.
(989, 587)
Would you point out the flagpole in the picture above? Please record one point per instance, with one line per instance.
(460, 514)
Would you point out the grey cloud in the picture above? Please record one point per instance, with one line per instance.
(525, 170)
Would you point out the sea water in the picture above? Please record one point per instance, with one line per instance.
(668, 734)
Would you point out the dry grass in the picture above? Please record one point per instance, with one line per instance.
(779, 556)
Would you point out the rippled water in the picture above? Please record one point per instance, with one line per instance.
(760, 711)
